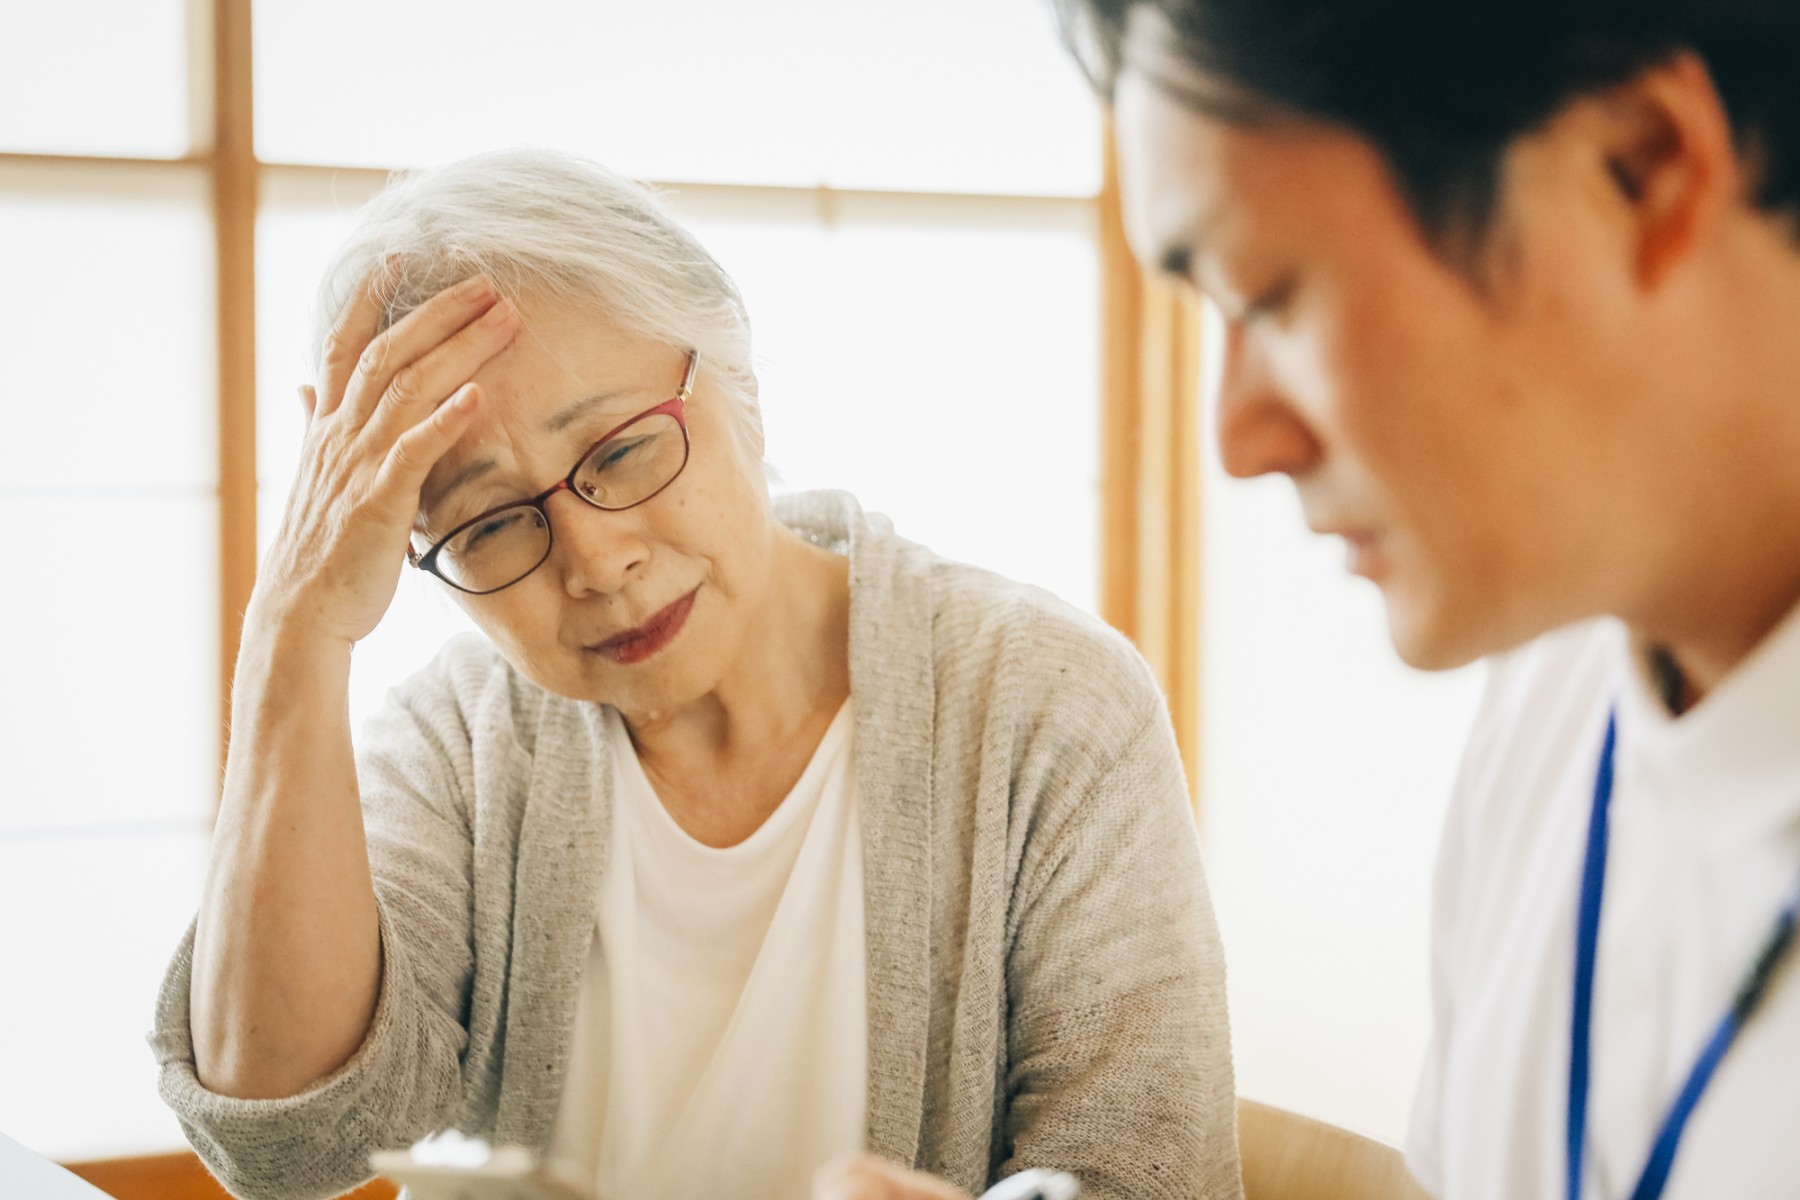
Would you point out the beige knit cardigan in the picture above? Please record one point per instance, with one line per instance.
(1045, 983)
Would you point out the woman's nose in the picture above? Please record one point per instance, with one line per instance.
(1260, 431)
(592, 549)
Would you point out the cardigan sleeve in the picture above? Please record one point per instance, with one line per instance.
(1118, 1042)
(405, 1079)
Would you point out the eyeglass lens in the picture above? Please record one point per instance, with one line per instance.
(623, 471)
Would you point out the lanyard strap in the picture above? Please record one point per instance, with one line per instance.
(1587, 937)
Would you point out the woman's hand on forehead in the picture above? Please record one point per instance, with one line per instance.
(388, 405)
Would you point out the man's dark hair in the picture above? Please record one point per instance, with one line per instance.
(1441, 87)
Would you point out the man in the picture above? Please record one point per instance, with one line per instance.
(1513, 292)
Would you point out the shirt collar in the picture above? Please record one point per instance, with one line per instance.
(1733, 759)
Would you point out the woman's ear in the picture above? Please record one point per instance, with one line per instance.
(1665, 138)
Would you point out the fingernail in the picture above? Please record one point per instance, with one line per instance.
(479, 288)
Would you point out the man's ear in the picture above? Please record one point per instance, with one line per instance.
(1667, 142)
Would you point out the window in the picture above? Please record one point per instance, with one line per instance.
(926, 240)
(109, 712)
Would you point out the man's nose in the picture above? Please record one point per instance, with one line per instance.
(1260, 430)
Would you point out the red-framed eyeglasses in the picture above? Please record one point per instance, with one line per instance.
(632, 463)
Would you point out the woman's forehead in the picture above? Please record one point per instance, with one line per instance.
(567, 377)
(570, 362)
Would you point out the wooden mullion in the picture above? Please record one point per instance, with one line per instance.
(1184, 545)
(233, 155)
(1121, 388)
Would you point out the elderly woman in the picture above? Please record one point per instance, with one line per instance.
(750, 836)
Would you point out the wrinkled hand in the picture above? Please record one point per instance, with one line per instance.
(386, 408)
(865, 1177)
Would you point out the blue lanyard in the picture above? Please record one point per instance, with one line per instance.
(1587, 936)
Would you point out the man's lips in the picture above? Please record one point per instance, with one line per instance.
(1364, 553)
(635, 645)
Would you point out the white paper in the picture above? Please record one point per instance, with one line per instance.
(23, 1173)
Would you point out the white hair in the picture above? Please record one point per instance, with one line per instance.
(552, 225)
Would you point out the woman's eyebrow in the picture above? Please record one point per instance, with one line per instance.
(556, 424)
(472, 471)
(580, 408)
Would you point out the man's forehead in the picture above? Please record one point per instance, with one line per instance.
(1168, 168)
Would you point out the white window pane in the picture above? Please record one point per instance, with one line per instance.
(422, 618)
(107, 328)
(941, 362)
(93, 920)
(959, 95)
(1320, 862)
(110, 710)
(946, 96)
(303, 220)
(95, 77)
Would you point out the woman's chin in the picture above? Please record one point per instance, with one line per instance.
(648, 688)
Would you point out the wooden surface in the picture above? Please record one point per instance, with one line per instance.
(1290, 1157)
(177, 1177)
(1285, 1157)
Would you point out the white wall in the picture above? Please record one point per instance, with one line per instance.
(1325, 768)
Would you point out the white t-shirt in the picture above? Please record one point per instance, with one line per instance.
(1704, 848)
(721, 1040)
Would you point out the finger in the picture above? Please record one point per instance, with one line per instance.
(410, 339)
(356, 325)
(418, 450)
(309, 400)
(417, 389)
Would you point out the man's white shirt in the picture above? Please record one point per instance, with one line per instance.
(1704, 849)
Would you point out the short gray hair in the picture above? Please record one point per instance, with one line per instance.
(553, 225)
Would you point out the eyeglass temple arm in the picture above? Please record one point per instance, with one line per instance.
(687, 380)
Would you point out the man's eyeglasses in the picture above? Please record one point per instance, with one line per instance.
(628, 466)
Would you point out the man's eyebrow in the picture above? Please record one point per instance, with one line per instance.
(1176, 259)
(580, 408)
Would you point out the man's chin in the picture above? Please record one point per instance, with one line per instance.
(1437, 636)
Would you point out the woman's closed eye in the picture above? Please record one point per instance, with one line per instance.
(617, 452)
(491, 527)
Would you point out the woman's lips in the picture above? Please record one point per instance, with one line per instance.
(635, 645)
